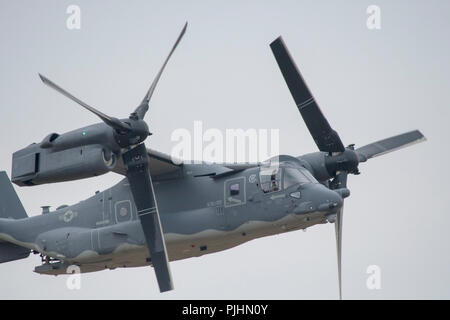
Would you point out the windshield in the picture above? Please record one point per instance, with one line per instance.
(308, 175)
(294, 176)
(272, 177)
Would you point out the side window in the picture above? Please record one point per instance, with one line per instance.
(123, 211)
(234, 192)
(234, 189)
(270, 179)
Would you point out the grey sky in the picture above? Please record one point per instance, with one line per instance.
(369, 84)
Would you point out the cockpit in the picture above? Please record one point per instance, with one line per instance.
(276, 178)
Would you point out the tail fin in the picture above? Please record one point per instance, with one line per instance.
(10, 208)
(10, 205)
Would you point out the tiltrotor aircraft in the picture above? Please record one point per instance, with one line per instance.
(163, 210)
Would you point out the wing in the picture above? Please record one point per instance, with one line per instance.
(160, 163)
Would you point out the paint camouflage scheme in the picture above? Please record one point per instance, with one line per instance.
(197, 218)
(202, 208)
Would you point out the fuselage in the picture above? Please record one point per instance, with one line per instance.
(200, 214)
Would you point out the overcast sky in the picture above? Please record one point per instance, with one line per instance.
(370, 84)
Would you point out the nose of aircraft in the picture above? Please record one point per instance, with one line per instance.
(317, 197)
(328, 199)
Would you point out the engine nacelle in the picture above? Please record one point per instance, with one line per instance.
(82, 153)
(325, 166)
(317, 163)
(39, 164)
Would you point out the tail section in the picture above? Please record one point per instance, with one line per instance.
(10, 205)
(10, 208)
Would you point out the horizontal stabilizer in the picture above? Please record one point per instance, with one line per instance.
(11, 252)
(384, 146)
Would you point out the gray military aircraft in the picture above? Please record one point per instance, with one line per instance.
(163, 210)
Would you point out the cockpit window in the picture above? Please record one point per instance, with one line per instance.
(270, 179)
(294, 176)
(309, 176)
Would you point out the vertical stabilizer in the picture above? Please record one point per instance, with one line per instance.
(10, 205)
(10, 208)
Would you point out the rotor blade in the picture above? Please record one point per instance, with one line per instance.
(138, 174)
(337, 183)
(143, 107)
(384, 146)
(110, 121)
(325, 137)
(338, 230)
